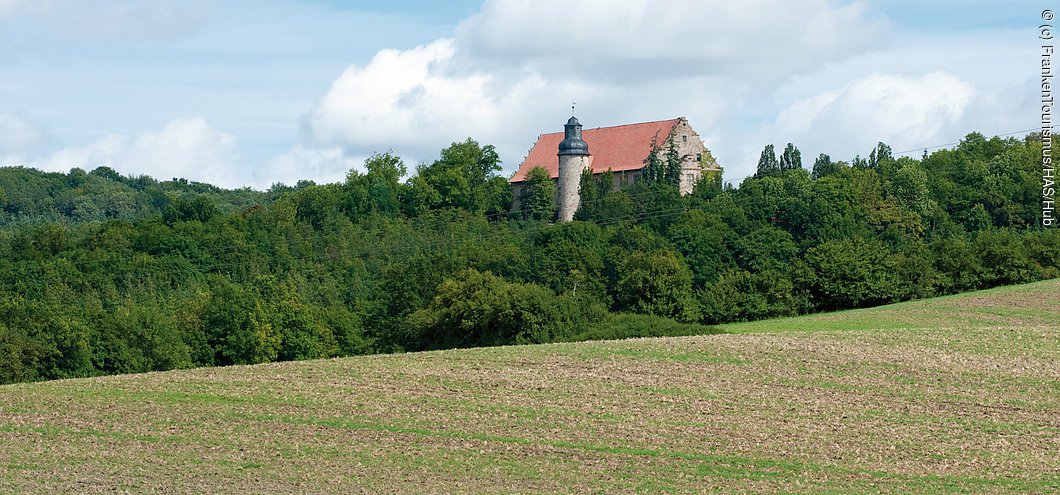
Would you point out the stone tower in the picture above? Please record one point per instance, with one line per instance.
(573, 159)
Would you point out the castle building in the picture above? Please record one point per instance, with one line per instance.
(622, 149)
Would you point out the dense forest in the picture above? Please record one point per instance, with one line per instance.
(104, 274)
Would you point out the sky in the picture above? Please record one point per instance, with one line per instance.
(249, 94)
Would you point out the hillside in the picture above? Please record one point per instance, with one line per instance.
(102, 274)
(30, 197)
(958, 394)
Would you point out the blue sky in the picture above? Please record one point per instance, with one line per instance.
(252, 93)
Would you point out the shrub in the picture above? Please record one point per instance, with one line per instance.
(1004, 258)
(482, 309)
(742, 296)
(853, 273)
(655, 283)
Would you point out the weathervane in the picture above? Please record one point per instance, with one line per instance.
(572, 109)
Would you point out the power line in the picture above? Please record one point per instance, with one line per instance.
(958, 142)
(919, 148)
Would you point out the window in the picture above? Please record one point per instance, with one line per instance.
(684, 138)
(699, 156)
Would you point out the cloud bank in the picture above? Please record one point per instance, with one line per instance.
(182, 148)
(508, 73)
(829, 76)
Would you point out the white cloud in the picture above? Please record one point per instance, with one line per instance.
(900, 109)
(323, 165)
(510, 70)
(183, 148)
(418, 101)
(641, 39)
(403, 99)
(903, 110)
(829, 75)
(186, 148)
(102, 151)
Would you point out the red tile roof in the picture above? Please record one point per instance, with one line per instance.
(622, 147)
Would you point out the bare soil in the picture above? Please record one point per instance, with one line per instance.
(954, 395)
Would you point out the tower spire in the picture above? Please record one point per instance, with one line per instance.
(573, 159)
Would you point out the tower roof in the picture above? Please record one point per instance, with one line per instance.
(619, 148)
(572, 143)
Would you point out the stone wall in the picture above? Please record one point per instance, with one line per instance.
(694, 156)
(570, 174)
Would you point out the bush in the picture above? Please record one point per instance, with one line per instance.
(655, 283)
(1044, 248)
(481, 309)
(1004, 258)
(957, 264)
(743, 296)
(633, 326)
(19, 356)
(853, 273)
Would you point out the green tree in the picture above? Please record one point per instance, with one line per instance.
(463, 177)
(672, 175)
(600, 201)
(791, 159)
(655, 283)
(663, 163)
(539, 195)
(909, 184)
(767, 248)
(239, 326)
(654, 166)
(318, 205)
(184, 209)
(106, 173)
(20, 356)
(859, 163)
(1004, 258)
(739, 295)
(570, 257)
(384, 187)
(879, 156)
(702, 239)
(958, 265)
(709, 185)
(479, 308)
(853, 273)
(302, 336)
(589, 193)
(768, 165)
(823, 166)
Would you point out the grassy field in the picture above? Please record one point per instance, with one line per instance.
(952, 395)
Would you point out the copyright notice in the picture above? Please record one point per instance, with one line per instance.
(1045, 33)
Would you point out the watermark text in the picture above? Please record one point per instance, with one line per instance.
(1045, 33)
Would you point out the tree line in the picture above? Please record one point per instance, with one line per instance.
(107, 274)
